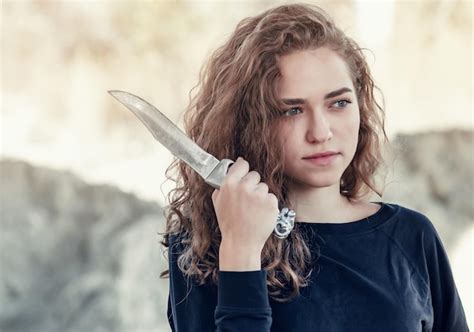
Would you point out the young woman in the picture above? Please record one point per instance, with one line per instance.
(287, 86)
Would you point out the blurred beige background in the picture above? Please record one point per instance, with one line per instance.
(59, 58)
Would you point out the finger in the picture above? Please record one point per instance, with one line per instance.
(262, 187)
(273, 199)
(214, 194)
(252, 178)
(238, 170)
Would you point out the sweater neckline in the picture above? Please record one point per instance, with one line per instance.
(386, 212)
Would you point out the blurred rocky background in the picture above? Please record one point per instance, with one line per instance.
(83, 257)
(82, 182)
(75, 256)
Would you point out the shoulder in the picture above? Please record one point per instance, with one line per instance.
(412, 231)
(411, 220)
(416, 237)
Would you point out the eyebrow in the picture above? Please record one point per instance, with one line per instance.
(335, 93)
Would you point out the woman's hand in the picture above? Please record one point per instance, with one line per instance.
(246, 213)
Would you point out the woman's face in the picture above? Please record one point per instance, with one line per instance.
(325, 118)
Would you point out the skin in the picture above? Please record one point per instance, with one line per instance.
(242, 200)
(318, 125)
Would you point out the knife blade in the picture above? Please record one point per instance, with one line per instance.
(206, 165)
(167, 133)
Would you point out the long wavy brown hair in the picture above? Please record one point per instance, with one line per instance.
(236, 112)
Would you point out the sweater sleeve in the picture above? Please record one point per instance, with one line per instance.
(170, 314)
(448, 312)
(238, 303)
(242, 303)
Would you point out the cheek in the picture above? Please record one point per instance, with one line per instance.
(352, 130)
(353, 122)
(348, 131)
(288, 150)
(289, 147)
(355, 125)
(285, 136)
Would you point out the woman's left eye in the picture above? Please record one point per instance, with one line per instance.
(290, 112)
(344, 102)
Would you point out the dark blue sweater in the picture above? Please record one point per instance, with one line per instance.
(387, 272)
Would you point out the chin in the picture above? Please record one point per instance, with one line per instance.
(322, 184)
(317, 181)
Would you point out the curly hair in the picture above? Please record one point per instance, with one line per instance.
(235, 113)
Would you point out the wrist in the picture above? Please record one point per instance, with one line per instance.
(239, 258)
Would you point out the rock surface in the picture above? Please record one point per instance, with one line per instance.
(80, 257)
(77, 257)
(433, 173)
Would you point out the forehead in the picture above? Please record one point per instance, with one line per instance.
(307, 72)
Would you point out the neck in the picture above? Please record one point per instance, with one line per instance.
(320, 204)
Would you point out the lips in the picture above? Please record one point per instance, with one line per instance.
(321, 154)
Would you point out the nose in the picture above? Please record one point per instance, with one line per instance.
(319, 128)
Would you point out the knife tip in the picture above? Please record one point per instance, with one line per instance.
(114, 93)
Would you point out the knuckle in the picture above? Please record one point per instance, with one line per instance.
(252, 175)
(234, 168)
(243, 161)
(227, 185)
(261, 190)
(247, 188)
(272, 198)
(230, 185)
(256, 174)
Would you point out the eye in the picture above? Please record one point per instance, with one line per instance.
(290, 113)
(344, 102)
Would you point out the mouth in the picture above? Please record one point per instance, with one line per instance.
(321, 155)
(324, 160)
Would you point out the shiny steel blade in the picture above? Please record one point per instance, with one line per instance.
(168, 134)
(206, 165)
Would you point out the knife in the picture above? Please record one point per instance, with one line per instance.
(212, 170)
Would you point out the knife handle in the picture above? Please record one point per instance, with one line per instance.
(218, 173)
